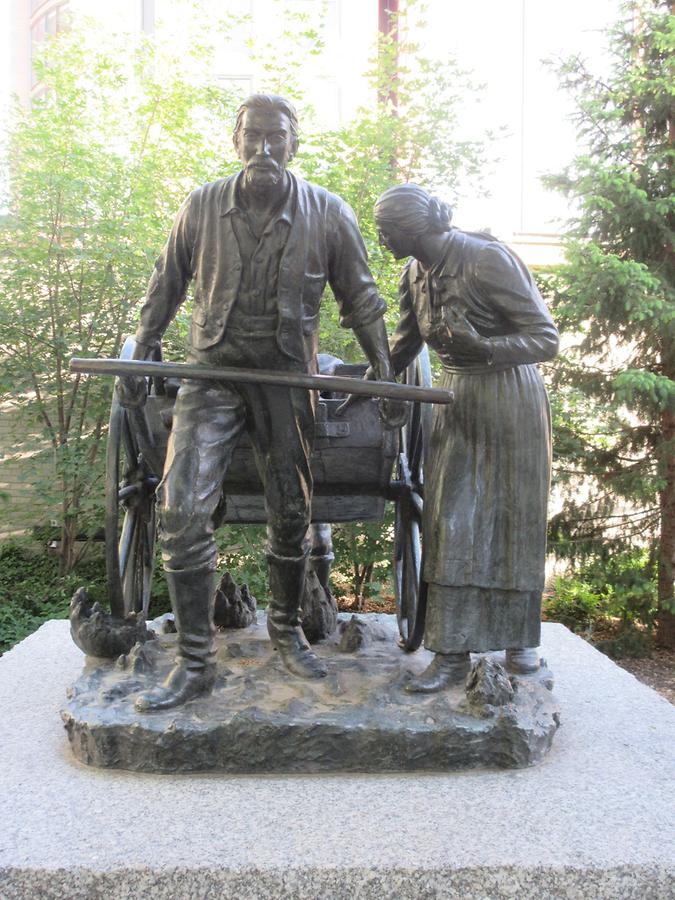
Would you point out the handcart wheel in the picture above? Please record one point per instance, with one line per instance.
(409, 588)
(130, 522)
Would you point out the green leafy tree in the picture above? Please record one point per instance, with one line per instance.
(101, 163)
(410, 135)
(97, 169)
(614, 299)
(363, 553)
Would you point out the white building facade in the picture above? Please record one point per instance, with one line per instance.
(349, 31)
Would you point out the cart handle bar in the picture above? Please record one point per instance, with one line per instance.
(340, 383)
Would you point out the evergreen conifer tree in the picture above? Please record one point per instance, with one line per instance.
(615, 301)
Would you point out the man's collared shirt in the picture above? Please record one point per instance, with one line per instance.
(261, 257)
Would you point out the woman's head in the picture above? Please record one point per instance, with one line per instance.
(406, 212)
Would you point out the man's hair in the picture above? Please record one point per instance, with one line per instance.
(268, 101)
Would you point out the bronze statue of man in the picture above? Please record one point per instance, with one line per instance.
(259, 247)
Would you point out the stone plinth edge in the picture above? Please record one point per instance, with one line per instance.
(493, 882)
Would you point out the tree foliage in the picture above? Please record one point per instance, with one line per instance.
(410, 135)
(614, 299)
(98, 167)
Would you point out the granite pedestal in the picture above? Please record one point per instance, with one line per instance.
(594, 820)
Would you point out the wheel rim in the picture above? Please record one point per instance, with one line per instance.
(409, 588)
(130, 520)
(407, 570)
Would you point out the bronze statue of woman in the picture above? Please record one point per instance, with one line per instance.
(487, 466)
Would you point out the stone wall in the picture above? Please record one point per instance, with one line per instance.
(21, 506)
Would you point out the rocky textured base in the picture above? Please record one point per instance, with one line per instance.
(97, 633)
(261, 719)
(319, 609)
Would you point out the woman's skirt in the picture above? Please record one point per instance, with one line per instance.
(487, 474)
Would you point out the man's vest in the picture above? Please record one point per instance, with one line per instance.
(302, 273)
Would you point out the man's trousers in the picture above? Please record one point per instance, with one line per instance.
(208, 420)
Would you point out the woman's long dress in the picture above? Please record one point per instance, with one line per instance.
(487, 467)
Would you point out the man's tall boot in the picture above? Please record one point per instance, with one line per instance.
(321, 556)
(322, 566)
(192, 598)
(287, 583)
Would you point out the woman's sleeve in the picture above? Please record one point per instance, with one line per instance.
(507, 283)
(406, 341)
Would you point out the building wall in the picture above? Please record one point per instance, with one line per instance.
(21, 506)
(335, 89)
(32, 22)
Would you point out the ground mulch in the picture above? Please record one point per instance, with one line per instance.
(385, 604)
(656, 671)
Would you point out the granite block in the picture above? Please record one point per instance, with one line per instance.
(594, 820)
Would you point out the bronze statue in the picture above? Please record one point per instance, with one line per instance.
(259, 247)
(488, 463)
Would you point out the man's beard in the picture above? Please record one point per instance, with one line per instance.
(262, 176)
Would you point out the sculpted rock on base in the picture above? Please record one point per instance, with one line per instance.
(97, 633)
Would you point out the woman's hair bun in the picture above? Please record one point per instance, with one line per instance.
(412, 210)
(440, 215)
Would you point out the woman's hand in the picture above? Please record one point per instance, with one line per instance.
(462, 333)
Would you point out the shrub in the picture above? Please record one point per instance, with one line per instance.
(32, 591)
(618, 592)
(576, 603)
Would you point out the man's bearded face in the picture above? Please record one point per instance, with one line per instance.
(265, 145)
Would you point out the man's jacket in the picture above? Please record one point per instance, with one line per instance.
(324, 246)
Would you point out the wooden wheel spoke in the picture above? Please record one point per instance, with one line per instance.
(417, 504)
(127, 542)
(130, 446)
(415, 465)
(409, 588)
